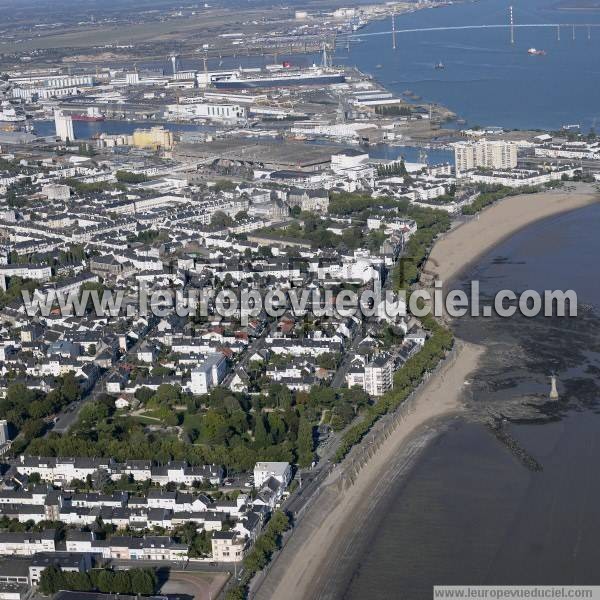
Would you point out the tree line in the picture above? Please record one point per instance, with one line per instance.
(406, 380)
(259, 556)
(106, 581)
(492, 193)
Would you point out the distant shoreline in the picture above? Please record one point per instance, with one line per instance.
(462, 247)
(322, 541)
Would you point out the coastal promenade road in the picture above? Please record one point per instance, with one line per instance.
(320, 547)
(178, 565)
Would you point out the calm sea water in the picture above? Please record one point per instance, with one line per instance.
(470, 512)
(486, 80)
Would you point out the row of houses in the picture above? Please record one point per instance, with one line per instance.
(232, 524)
(60, 471)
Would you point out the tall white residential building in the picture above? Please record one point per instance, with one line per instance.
(379, 376)
(64, 126)
(207, 374)
(483, 153)
(281, 471)
(3, 431)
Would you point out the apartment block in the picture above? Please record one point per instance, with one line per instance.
(486, 154)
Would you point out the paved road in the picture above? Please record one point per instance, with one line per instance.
(185, 565)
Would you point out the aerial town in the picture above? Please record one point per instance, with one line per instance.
(181, 433)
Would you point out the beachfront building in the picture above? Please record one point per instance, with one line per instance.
(281, 471)
(379, 376)
(484, 154)
(518, 178)
(227, 546)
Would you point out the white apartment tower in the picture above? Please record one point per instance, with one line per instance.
(379, 376)
(3, 431)
(64, 126)
(491, 155)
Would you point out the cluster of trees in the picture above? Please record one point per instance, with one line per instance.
(329, 360)
(199, 543)
(580, 176)
(220, 220)
(129, 177)
(405, 381)
(132, 581)
(26, 410)
(83, 188)
(224, 185)
(393, 111)
(14, 525)
(148, 236)
(393, 169)
(345, 203)
(491, 193)
(10, 167)
(17, 193)
(14, 289)
(314, 229)
(74, 253)
(430, 223)
(259, 556)
(234, 430)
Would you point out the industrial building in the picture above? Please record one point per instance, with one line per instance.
(270, 156)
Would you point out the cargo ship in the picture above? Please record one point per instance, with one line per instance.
(88, 118)
(315, 76)
(91, 115)
(535, 52)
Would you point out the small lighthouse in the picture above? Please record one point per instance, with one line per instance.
(553, 390)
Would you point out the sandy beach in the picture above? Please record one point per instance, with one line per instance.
(461, 246)
(321, 537)
(325, 535)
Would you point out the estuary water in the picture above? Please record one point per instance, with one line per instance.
(470, 512)
(486, 80)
